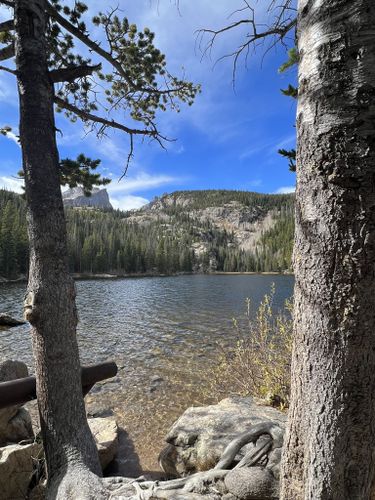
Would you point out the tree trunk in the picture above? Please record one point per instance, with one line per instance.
(330, 444)
(50, 301)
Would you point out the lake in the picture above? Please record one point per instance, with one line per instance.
(161, 332)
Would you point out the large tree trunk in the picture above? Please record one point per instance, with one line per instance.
(50, 301)
(330, 444)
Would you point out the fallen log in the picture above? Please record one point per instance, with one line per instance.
(22, 390)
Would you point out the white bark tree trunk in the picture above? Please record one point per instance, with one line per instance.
(330, 444)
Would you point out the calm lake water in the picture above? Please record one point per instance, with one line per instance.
(165, 328)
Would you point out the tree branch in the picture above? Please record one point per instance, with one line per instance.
(85, 116)
(84, 39)
(71, 74)
(8, 70)
(7, 52)
(101, 52)
(7, 25)
(8, 3)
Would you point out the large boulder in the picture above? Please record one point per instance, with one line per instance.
(15, 422)
(17, 464)
(7, 320)
(200, 435)
(105, 432)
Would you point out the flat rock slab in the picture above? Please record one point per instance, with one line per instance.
(17, 463)
(105, 432)
(201, 434)
(7, 320)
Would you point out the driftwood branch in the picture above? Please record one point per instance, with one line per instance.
(20, 391)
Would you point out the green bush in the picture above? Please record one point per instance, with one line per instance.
(259, 364)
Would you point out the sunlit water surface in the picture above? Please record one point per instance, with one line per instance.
(152, 327)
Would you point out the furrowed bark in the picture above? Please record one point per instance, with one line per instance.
(329, 448)
(50, 301)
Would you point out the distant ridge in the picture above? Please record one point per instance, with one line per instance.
(182, 232)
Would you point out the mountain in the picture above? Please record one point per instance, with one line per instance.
(75, 197)
(186, 231)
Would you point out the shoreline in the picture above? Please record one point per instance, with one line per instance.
(109, 276)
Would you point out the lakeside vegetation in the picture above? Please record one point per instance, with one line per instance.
(112, 242)
(259, 363)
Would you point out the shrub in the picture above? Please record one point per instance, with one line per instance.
(259, 363)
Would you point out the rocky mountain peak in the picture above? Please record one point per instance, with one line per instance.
(75, 197)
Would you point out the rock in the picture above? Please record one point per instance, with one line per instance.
(7, 320)
(39, 492)
(15, 422)
(19, 428)
(105, 432)
(201, 434)
(252, 483)
(274, 460)
(99, 411)
(17, 463)
(75, 197)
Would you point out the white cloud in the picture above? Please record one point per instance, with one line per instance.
(288, 141)
(11, 183)
(13, 137)
(141, 182)
(121, 194)
(128, 202)
(285, 190)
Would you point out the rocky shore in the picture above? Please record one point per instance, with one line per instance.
(230, 450)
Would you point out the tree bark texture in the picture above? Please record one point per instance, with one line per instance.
(330, 443)
(50, 300)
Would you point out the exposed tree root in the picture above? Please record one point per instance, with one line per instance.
(81, 484)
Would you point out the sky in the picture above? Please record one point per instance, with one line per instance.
(228, 139)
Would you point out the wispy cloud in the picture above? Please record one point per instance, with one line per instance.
(287, 141)
(142, 182)
(11, 183)
(13, 137)
(128, 202)
(285, 190)
(122, 194)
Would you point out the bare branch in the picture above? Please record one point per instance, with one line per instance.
(284, 21)
(71, 74)
(85, 116)
(7, 52)
(7, 25)
(8, 70)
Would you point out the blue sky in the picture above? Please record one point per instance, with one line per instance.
(227, 140)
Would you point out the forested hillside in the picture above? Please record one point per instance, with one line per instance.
(187, 231)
